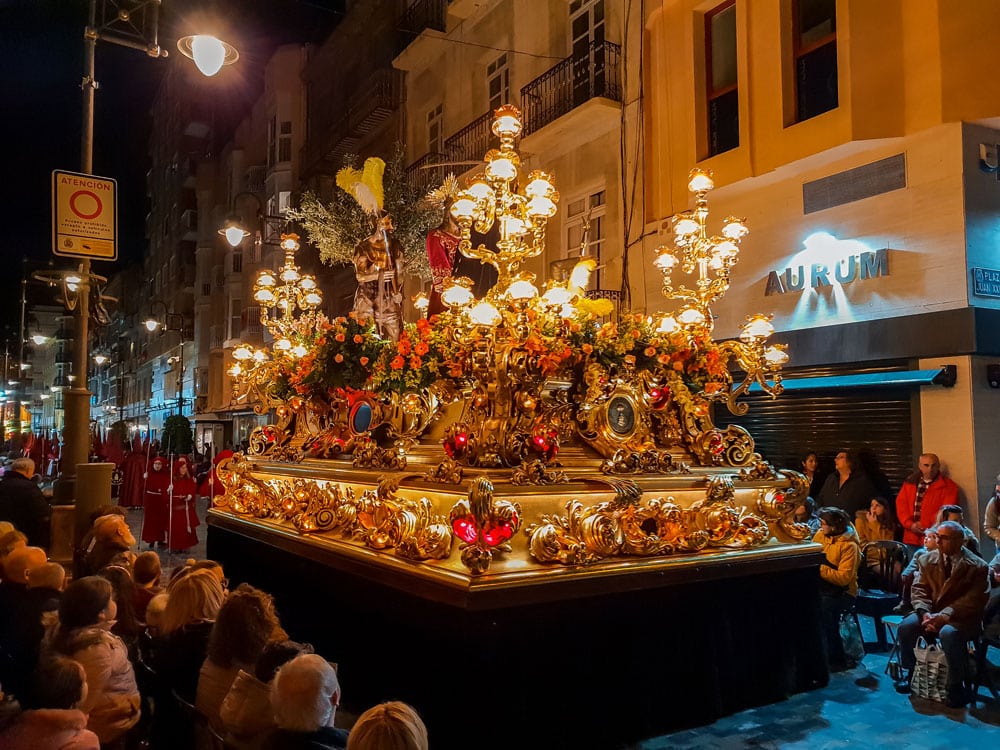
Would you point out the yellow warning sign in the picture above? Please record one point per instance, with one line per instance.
(84, 216)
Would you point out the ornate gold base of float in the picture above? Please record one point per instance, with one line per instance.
(486, 533)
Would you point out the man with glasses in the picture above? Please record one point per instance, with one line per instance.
(949, 595)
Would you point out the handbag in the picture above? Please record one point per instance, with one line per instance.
(850, 637)
(930, 675)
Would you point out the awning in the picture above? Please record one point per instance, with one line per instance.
(211, 416)
(941, 376)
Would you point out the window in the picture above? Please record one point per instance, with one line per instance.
(284, 201)
(586, 26)
(814, 46)
(435, 135)
(585, 219)
(285, 142)
(237, 262)
(272, 144)
(722, 94)
(498, 82)
(235, 318)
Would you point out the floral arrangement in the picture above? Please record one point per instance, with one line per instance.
(335, 228)
(425, 353)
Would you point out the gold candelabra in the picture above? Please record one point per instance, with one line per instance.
(493, 198)
(710, 257)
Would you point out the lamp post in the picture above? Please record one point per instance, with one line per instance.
(171, 322)
(118, 24)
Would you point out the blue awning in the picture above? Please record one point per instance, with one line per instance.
(941, 376)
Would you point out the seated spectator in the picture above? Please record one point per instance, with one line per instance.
(193, 602)
(956, 514)
(17, 568)
(87, 543)
(112, 545)
(246, 622)
(991, 617)
(5, 528)
(949, 596)
(246, 712)
(52, 717)
(154, 614)
(126, 626)
(806, 513)
(86, 611)
(305, 696)
(44, 589)
(22, 504)
(146, 577)
(910, 571)
(839, 574)
(876, 524)
(10, 541)
(388, 726)
(991, 518)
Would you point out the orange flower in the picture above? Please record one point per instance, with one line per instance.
(397, 363)
(421, 348)
(357, 338)
(339, 358)
(679, 366)
(363, 361)
(650, 351)
(663, 359)
(587, 349)
(404, 347)
(415, 362)
(635, 333)
(340, 337)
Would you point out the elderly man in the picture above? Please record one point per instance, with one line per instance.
(949, 595)
(921, 497)
(22, 503)
(305, 695)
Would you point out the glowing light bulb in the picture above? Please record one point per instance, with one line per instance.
(298, 351)
(501, 168)
(463, 208)
(689, 316)
(734, 228)
(541, 206)
(307, 282)
(264, 295)
(522, 289)
(775, 356)
(265, 279)
(209, 54)
(282, 345)
(756, 327)
(290, 274)
(313, 299)
(685, 226)
(665, 261)
(556, 295)
(700, 181)
(668, 324)
(484, 314)
(242, 353)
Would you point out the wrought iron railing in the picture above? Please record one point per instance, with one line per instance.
(420, 15)
(424, 173)
(471, 142)
(570, 83)
(373, 101)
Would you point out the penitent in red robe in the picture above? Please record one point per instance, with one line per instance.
(183, 514)
(154, 522)
(132, 467)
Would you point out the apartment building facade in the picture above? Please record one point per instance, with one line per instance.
(857, 139)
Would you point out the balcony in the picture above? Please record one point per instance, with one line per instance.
(471, 142)
(418, 17)
(589, 83)
(255, 177)
(371, 105)
(189, 225)
(424, 174)
(216, 337)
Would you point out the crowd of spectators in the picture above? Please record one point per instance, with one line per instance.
(118, 659)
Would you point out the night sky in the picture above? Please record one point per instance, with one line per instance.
(41, 66)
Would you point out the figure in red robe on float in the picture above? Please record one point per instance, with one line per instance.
(183, 513)
(154, 521)
(211, 487)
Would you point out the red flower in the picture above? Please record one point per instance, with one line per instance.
(340, 337)
(357, 338)
(415, 362)
(363, 361)
(404, 347)
(338, 358)
(421, 348)
(397, 363)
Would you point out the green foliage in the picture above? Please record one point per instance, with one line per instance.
(177, 437)
(336, 227)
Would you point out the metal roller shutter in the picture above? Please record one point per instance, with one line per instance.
(829, 421)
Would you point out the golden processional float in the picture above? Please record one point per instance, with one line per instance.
(519, 438)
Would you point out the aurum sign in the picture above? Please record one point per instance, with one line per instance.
(827, 261)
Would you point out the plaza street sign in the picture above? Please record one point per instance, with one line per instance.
(84, 216)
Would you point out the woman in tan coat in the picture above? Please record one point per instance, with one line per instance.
(839, 574)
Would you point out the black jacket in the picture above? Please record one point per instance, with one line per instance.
(326, 738)
(22, 503)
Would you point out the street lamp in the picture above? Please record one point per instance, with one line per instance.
(127, 23)
(234, 231)
(171, 322)
(209, 53)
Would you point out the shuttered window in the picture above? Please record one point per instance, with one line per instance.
(829, 421)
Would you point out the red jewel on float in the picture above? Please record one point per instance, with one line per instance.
(465, 529)
(496, 534)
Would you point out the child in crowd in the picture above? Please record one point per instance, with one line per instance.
(878, 523)
(930, 543)
(146, 574)
(52, 717)
(806, 513)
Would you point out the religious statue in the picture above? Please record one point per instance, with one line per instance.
(442, 249)
(378, 265)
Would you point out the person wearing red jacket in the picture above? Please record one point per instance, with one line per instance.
(183, 514)
(921, 497)
(211, 487)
